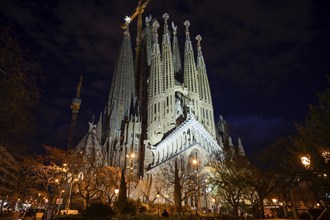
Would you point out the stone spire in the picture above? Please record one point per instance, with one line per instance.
(207, 114)
(176, 53)
(168, 77)
(240, 146)
(90, 147)
(166, 35)
(99, 127)
(156, 89)
(123, 83)
(190, 72)
(204, 88)
(167, 57)
(155, 49)
(156, 76)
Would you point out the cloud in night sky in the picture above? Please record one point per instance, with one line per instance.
(256, 131)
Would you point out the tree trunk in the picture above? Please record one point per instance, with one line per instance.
(261, 207)
(235, 210)
(177, 189)
(85, 203)
(285, 211)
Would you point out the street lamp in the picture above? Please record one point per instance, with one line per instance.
(39, 200)
(158, 195)
(195, 163)
(214, 205)
(130, 166)
(116, 199)
(68, 201)
(205, 196)
(306, 161)
(59, 201)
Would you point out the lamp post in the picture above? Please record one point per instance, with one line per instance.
(306, 161)
(205, 196)
(195, 164)
(59, 201)
(158, 195)
(130, 166)
(116, 192)
(68, 201)
(53, 202)
(116, 199)
(39, 200)
(214, 205)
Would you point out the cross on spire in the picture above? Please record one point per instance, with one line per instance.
(127, 22)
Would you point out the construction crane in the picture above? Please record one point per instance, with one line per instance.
(75, 106)
(138, 12)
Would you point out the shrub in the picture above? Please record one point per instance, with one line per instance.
(130, 207)
(98, 210)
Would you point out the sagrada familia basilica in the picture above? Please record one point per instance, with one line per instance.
(159, 107)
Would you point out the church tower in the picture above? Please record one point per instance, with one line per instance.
(156, 109)
(206, 106)
(155, 91)
(169, 81)
(190, 72)
(122, 124)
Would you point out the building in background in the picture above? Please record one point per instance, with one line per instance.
(9, 168)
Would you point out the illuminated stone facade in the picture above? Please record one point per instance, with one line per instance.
(156, 109)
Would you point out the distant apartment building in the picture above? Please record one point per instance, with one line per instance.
(9, 167)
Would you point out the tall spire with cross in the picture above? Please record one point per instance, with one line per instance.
(123, 83)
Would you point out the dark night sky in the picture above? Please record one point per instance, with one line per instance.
(266, 60)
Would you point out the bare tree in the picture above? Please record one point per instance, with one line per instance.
(88, 186)
(228, 176)
(48, 171)
(263, 182)
(18, 89)
(180, 179)
(109, 177)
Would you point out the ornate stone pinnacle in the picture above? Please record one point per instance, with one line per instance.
(187, 24)
(166, 17)
(155, 25)
(199, 39)
(174, 28)
(148, 19)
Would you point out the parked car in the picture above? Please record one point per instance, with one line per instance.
(33, 214)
